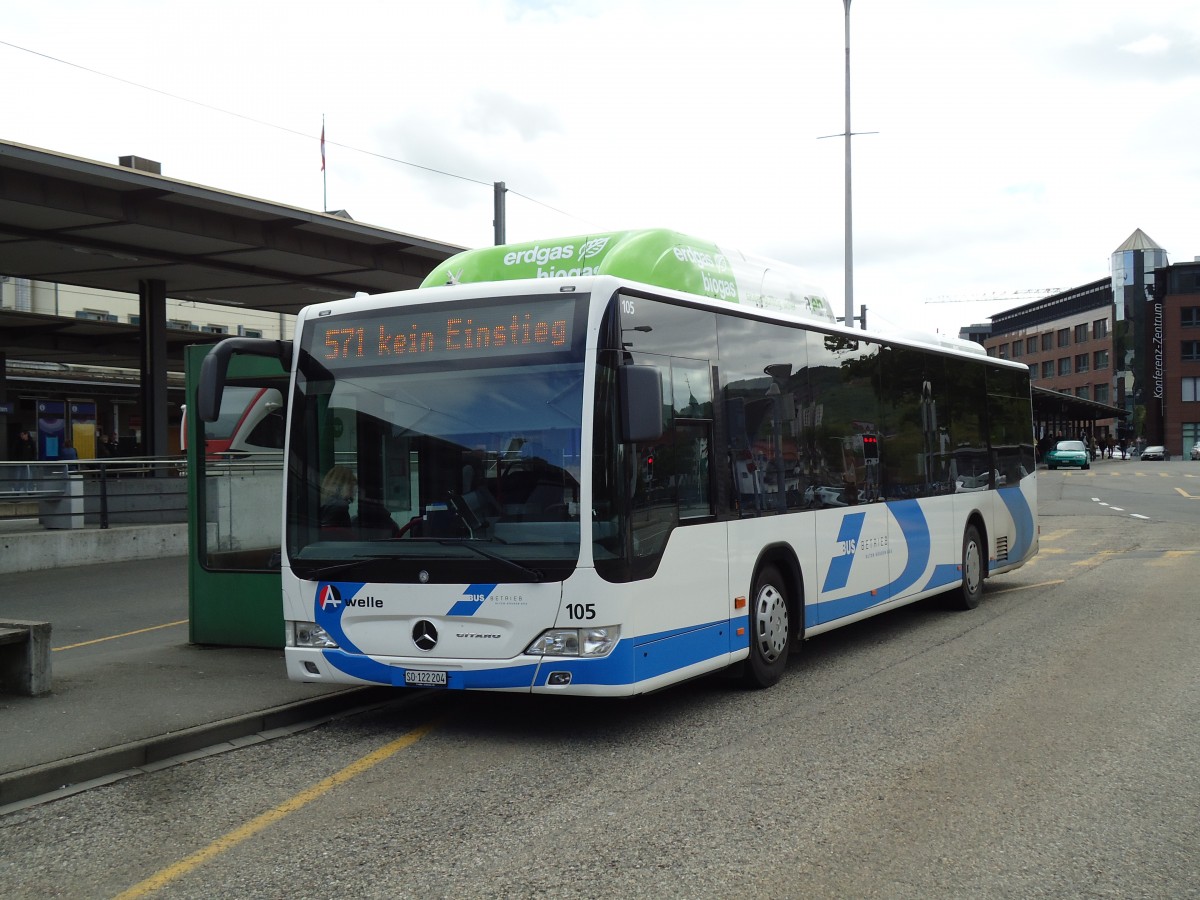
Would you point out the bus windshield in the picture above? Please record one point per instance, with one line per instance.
(430, 472)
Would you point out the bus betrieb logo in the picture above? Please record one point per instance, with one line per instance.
(329, 597)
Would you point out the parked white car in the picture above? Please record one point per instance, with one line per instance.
(1195, 453)
(821, 495)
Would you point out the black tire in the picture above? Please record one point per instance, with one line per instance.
(970, 590)
(770, 627)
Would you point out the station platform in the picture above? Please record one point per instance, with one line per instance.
(128, 691)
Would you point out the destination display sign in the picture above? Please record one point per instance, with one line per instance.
(539, 325)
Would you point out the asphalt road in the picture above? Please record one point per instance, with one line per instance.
(1042, 745)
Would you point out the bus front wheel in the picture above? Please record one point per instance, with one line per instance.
(770, 630)
(970, 589)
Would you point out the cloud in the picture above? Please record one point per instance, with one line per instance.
(494, 113)
(1154, 44)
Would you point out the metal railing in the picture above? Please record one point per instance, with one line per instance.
(95, 492)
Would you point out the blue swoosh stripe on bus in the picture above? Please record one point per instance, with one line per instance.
(465, 608)
(359, 666)
(331, 621)
(1022, 516)
(915, 529)
(651, 655)
(943, 576)
(630, 662)
(368, 669)
(475, 594)
(839, 567)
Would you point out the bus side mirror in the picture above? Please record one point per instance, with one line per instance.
(641, 396)
(216, 364)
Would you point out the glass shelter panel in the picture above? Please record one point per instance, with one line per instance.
(242, 465)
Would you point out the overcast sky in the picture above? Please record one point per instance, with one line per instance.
(1019, 141)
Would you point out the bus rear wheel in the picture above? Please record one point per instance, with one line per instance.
(770, 630)
(970, 589)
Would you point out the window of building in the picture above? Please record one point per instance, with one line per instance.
(1189, 317)
(1002, 351)
(1064, 337)
(1047, 341)
(1081, 333)
(1064, 366)
(1048, 368)
(1018, 349)
(1033, 371)
(1100, 359)
(215, 329)
(1191, 390)
(1081, 362)
(243, 331)
(1191, 351)
(1031, 345)
(1082, 392)
(1099, 329)
(1100, 393)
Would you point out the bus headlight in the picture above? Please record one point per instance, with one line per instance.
(309, 634)
(587, 642)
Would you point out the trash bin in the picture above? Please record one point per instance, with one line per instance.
(65, 508)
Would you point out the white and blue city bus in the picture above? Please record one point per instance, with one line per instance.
(606, 464)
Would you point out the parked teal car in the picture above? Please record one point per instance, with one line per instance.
(1068, 453)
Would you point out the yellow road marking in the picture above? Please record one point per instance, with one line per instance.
(1184, 493)
(1099, 557)
(1056, 535)
(270, 817)
(113, 637)
(1169, 557)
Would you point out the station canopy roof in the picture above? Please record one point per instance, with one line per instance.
(75, 221)
(1051, 405)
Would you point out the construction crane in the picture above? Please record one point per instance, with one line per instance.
(1020, 296)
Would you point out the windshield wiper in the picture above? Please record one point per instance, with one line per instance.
(322, 571)
(535, 574)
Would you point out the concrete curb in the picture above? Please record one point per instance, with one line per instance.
(62, 778)
(39, 549)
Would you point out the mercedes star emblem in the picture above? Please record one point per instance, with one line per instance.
(424, 635)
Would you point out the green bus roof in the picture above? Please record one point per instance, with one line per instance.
(656, 257)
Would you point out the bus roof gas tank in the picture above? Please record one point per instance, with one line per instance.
(656, 257)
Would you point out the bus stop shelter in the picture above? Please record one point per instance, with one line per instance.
(1056, 414)
(128, 228)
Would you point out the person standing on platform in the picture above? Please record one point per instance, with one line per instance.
(27, 454)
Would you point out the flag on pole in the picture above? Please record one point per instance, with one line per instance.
(322, 145)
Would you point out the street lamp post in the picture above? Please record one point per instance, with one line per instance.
(849, 320)
(848, 134)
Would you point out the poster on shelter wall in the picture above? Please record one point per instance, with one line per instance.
(51, 428)
(83, 428)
